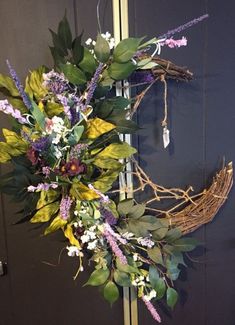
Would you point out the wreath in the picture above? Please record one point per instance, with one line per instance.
(71, 163)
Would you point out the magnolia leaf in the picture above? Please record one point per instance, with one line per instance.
(56, 224)
(107, 163)
(47, 197)
(82, 192)
(120, 71)
(102, 49)
(14, 140)
(98, 277)
(73, 74)
(171, 297)
(126, 49)
(88, 63)
(7, 83)
(117, 151)
(111, 292)
(155, 255)
(97, 127)
(64, 33)
(122, 278)
(105, 180)
(78, 49)
(153, 276)
(52, 109)
(108, 105)
(45, 213)
(68, 232)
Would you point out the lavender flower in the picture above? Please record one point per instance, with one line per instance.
(65, 102)
(151, 309)
(55, 82)
(170, 42)
(108, 216)
(19, 86)
(183, 27)
(7, 108)
(114, 246)
(40, 144)
(46, 171)
(103, 198)
(77, 150)
(141, 77)
(93, 84)
(114, 234)
(65, 205)
(42, 187)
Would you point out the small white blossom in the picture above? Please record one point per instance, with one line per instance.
(73, 251)
(128, 235)
(88, 41)
(152, 294)
(57, 153)
(85, 238)
(145, 242)
(135, 257)
(92, 245)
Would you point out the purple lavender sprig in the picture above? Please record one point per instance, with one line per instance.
(108, 216)
(93, 84)
(7, 108)
(183, 27)
(65, 205)
(114, 246)
(19, 86)
(40, 144)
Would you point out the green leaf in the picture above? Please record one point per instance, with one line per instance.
(122, 278)
(150, 222)
(53, 109)
(172, 269)
(125, 50)
(125, 126)
(107, 163)
(171, 297)
(153, 276)
(58, 58)
(111, 292)
(34, 81)
(125, 206)
(120, 71)
(108, 105)
(47, 197)
(37, 114)
(76, 134)
(45, 213)
(185, 244)
(98, 277)
(172, 235)
(88, 63)
(155, 255)
(117, 151)
(178, 258)
(105, 181)
(78, 50)
(73, 74)
(160, 288)
(56, 224)
(126, 267)
(58, 44)
(136, 211)
(7, 83)
(161, 231)
(64, 33)
(102, 49)
(137, 228)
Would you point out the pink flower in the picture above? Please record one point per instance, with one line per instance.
(151, 309)
(114, 246)
(170, 42)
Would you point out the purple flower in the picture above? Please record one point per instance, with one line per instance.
(141, 77)
(42, 187)
(77, 150)
(151, 309)
(114, 246)
(93, 84)
(65, 102)
(40, 144)
(108, 216)
(19, 86)
(65, 206)
(46, 171)
(7, 108)
(103, 198)
(183, 27)
(114, 234)
(55, 82)
(170, 42)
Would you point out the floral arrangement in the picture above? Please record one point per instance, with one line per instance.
(67, 155)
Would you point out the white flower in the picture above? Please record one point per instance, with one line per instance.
(93, 43)
(73, 251)
(128, 235)
(135, 257)
(85, 238)
(152, 294)
(145, 242)
(57, 153)
(92, 245)
(88, 41)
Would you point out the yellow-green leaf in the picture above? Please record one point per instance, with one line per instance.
(107, 163)
(4, 152)
(15, 141)
(105, 180)
(46, 213)
(18, 103)
(117, 151)
(56, 224)
(68, 232)
(82, 192)
(7, 83)
(34, 84)
(97, 127)
(47, 197)
(53, 109)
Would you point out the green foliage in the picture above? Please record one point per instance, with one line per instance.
(6, 83)
(125, 50)
(34, 81)
(153, 276)
(45, 213)
(56, 224)
(102, 50)
(73, 74)
(155, 255)
(122, 278)
(111, 293)
(77, 50)
(64, 33)
(88, 63)
(75, 135)
(120, 71)
(160, 288)
(98, 277)
(117, 151)
(172, 297)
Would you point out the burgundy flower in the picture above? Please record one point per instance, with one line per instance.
(72, 168)
(32, 155)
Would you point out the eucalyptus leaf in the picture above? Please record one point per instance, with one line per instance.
(125, 206)
(155, 255)
(122, 278)
(111, 292)
(98, 277)
(136, 211)
(171, 297)
(153, 276)
(160, 288)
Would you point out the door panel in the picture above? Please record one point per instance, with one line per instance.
(201, 121)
